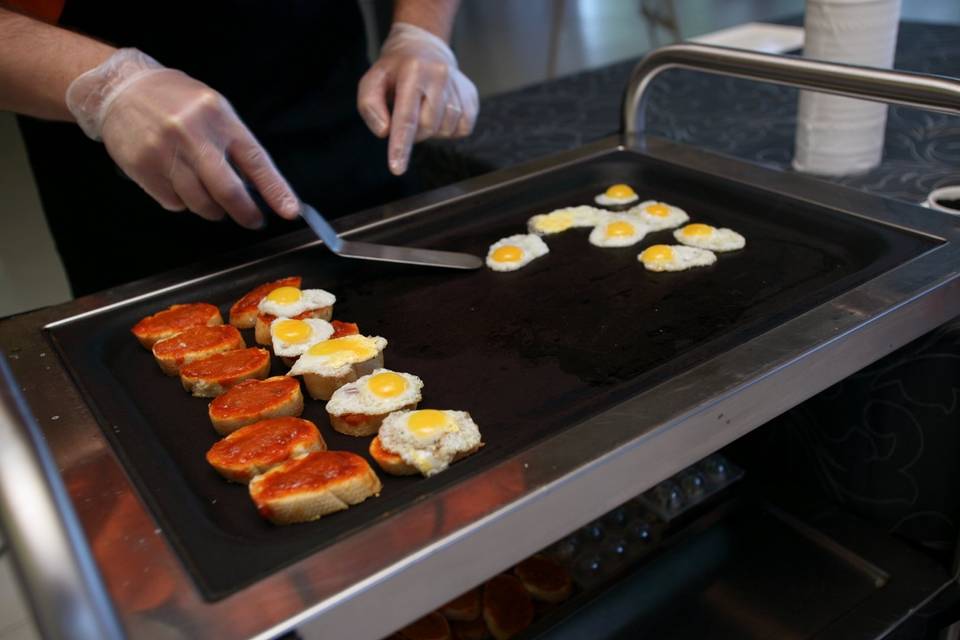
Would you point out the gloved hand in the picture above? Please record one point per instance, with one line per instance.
(177, 138)
(431, 97)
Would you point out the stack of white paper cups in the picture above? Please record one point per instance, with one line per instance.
(840, 136)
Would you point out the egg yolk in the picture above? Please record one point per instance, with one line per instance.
(659, 209)
(620, 229)
(697, 229)
(292, 331)
(657, 253)
(620, 191)
(387, 384)
(284, 295)
(554, 222)
(345, 350)
(507, 253)
(428, 423)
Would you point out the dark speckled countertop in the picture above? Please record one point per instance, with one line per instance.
(746, 119)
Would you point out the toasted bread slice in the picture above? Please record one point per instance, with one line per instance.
(254, 400)
(389, 461)
(312, 486)
(243, 313)
(215, 374)
(545, 579)
(507, 607)
(432, 626)
(321, 387)
(470, 629)
(261, 330)
(362, 424)
(467, 606)
(258, 447)
(340, 329)
(195, 343)
(170, 322)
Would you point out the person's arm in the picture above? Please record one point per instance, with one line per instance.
(419, 74)
(174, 136)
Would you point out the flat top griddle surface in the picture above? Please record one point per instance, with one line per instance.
(528, 353)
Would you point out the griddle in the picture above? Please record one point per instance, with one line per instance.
(529, 354)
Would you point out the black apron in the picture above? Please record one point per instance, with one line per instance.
(291, 71)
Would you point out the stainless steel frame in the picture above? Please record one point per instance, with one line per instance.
(379, 579)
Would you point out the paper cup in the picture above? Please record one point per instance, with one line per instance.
(840, 136)
(946, 199)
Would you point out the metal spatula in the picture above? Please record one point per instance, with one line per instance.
(382, 252)
(367, 250)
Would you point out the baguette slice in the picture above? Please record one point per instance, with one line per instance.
(465, 607)
(340, 329)
(432, 626)
(170, 322)
(507, 607)
(254, 400)
(545, 579)
(470, 629)
(261, 330)
(243, 313)
(258, 447)
(195, 343)
(389, 461)
(215, 374)
(312, 486)
(363, 424)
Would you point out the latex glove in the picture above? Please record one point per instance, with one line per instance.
(178, 139)
(431, 97)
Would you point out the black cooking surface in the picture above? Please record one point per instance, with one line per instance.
(528, 353)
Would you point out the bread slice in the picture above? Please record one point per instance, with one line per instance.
(340, 329)
(393, 464)
(432, 626)
(213, 375)
(507, 607)
(258, 447)
(362, 424)
(467, 606)
(254, 400)
(389, 461)
(470, 629)
(261, 330)
(243, 313)
(545, 579)
(312, 486)
(321, 387)
(195, 343)
(171, 321)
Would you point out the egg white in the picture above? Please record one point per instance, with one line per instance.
(320, 365)
(718, 240)
(683, 258)
(599, 237)
(674, 218)
(433, 455)
(356, 397)
(566, 218)
(319, 330)
(531, 246)
(609, 201)
(310, 299)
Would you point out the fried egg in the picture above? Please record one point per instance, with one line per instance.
(380, 392)
(509, 254)
(567, 218)
(292, 337)
(704, 236)
(618, 231)
(616, 195)
(429, 439)
(664, 257)
(335, 357)
(659, 215)
(286, 302)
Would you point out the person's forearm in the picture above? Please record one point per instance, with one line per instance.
(436, 16)
(38, 62)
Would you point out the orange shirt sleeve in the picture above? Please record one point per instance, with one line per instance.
(46, 10)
